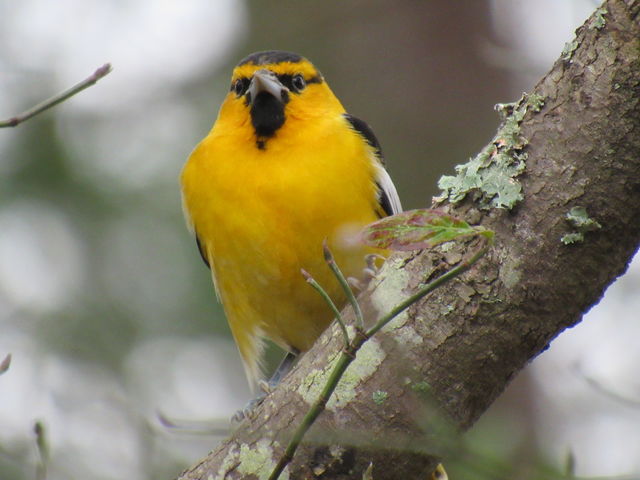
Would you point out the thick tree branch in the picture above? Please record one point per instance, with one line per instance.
(464, 343)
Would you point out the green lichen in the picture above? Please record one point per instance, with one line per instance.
(598, 18)
(581, 222)
(569, 48)
(229, 461)
(573, 237)
(258, 460)
(383, 299)
(421, 387)
(491, 175)
(510, 272)
(311, 385)
(535, 101)
(379, 397)
(406, 335)
(368, 358)
(368, 473)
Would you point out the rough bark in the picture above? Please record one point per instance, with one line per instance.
(459, 347)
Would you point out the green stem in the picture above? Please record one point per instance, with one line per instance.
(311, 281)
(56, 99)
(43, 450)
(328, 256)
(349, 354)
(430, 287)
(346, 357)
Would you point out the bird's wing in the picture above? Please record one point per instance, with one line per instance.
(202, 251)
(201, 247)
(387, 195)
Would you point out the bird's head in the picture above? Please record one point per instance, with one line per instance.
(274, 91)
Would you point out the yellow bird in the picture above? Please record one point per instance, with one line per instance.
(283, 168)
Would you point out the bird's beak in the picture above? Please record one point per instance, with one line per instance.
(266, 81)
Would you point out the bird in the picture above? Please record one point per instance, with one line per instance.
(283, 169)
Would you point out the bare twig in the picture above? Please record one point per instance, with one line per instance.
(193, 427)
(5, 364)
(618, 397)
(56, 99)
(43, 450)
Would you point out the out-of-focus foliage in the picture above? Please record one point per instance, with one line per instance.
(105, 304)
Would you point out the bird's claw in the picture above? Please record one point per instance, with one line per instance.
(249, 410)
(370, 271)
(371, 260)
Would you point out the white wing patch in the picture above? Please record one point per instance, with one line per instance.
(388, 188)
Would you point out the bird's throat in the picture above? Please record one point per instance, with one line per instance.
(267, 116)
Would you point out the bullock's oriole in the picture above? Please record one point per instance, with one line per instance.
(283, 168)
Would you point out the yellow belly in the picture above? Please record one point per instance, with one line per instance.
(262, 215)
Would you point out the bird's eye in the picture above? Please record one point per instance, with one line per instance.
(298, 82)
(239, 87)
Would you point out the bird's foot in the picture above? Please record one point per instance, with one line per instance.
(266, 387)
(250, 409)
(369, 272)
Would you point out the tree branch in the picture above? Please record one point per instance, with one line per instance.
(575, 141)
(56, 99)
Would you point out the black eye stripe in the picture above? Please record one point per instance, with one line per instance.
(287, 80)
(240, 85)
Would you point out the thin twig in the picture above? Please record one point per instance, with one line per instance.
(43, 450)
(328, 256)
(630, 402)
(348, 355)
(59, 98)
(192, 427)
(311, 281)
(5, 364)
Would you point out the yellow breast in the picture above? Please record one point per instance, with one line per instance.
(261, 215)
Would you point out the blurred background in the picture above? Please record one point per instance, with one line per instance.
(105, 305)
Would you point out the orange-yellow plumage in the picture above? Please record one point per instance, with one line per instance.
(262, 203)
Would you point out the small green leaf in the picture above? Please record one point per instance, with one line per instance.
(419, 229)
